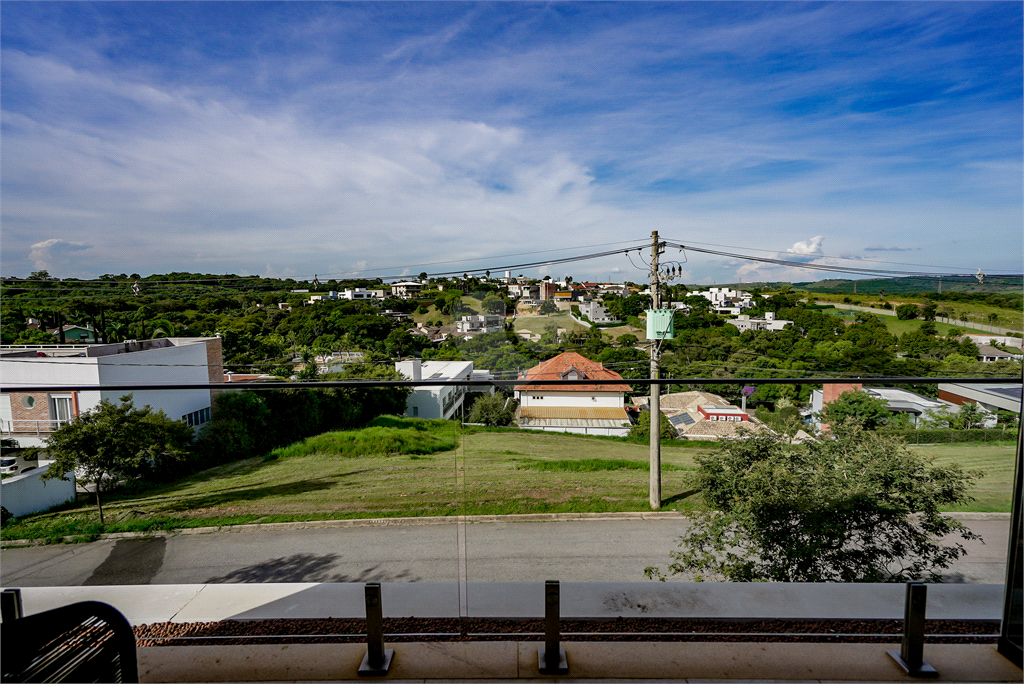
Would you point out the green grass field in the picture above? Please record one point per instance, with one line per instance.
(359, 475)
(538, 324)
(898, 327)
(977, 312)
(993, 491)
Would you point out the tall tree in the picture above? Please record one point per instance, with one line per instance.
(113, 442)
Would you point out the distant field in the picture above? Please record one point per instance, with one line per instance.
(898, 327)
(433, 314)
(539, 324)
(977, 312)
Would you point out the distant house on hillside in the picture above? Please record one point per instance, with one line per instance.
(76, 333)
(589, 409)
(745, 322)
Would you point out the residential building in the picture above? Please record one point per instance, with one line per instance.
(30, 416)
(989, 354)
(406, 290)
(1003, 340)
(361, 293)
(768, 322)
(991, 397)
(703, 416)
(435, 401)
(916, 406)
(725, 298)
(524, 291)
(547, 290)
(434, 333)
(596, 313)
(76, 333)
(481, 323)
(592, 409)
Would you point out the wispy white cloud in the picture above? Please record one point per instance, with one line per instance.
(354, 135)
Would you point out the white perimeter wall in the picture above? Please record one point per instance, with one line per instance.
(168, 365)
(573, 399)
(27, 493)
(613, 432)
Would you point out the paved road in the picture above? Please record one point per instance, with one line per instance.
(571, 551)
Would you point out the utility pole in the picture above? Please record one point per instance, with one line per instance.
(655, 402)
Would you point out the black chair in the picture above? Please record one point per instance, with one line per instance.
(83, 642)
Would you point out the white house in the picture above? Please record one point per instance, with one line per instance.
(744, 322)
(361, 293)
(596, 313)
(29, 416)
(724, 300)
(435, 401)
(591, 409)
(481, 323)
(406, 290)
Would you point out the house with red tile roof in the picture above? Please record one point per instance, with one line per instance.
(596, 408)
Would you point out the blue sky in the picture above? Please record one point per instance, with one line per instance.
(332, 138)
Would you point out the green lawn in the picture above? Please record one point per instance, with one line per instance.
(898, 327)
(489, 472)
(977, 312)
(538, 324)
(993, 491)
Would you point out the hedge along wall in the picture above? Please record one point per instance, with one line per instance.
(943, 436)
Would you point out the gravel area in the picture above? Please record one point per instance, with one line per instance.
(320, 631)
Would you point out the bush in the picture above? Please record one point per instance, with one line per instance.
(494, 410)
(642, 429)
(858, 508)
(384, 436)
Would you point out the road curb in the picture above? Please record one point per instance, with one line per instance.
(426, 520)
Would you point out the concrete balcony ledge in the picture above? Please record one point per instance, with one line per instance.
(604, 661)
(147, 604)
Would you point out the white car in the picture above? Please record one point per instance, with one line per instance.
(18, 464)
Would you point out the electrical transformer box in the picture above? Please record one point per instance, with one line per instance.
(660, 325)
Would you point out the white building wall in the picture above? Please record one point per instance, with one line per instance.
(571, 399)
(27, 493)
(166, 365)
(611, 432)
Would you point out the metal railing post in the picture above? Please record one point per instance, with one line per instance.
(10, 605)
(377, 659)
(911, 654)
(551, 657)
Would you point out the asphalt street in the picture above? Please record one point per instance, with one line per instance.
(570, 551)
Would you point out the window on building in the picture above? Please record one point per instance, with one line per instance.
(61, 409)
(197, 418)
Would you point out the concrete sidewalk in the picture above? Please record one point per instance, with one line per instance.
(147, 604)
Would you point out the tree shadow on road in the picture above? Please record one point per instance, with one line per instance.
(307, 567)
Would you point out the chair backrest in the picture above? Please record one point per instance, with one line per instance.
(83, 642)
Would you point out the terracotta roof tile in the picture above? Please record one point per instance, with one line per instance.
(554, 369)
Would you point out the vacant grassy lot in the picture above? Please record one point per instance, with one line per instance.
(993, 491)
(488, 473)
(360, 475)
